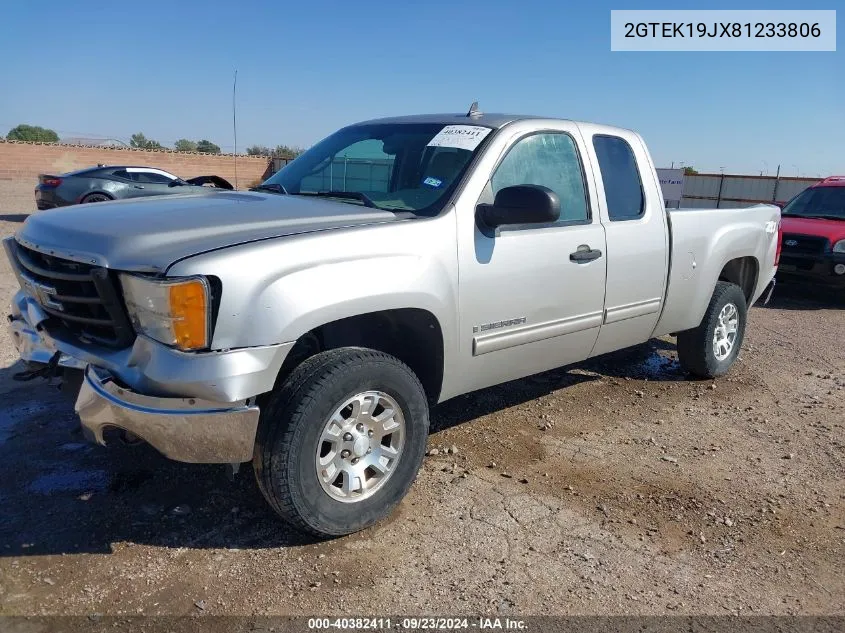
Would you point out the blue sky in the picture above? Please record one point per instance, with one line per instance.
(306, 68)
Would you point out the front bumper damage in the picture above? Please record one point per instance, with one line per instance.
(32, 343)
(191, 407)
(184, 429)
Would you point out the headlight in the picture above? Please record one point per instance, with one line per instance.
(175, 312)
(839, 247)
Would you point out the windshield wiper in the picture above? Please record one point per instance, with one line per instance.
(349, 195)
(274, 187)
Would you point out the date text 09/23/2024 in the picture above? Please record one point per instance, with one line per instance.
(417, 623)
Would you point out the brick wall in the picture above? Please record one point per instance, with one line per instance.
(20, 164)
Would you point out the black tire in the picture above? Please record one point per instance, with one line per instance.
(695, 347)
(289, 436)
(96, 197)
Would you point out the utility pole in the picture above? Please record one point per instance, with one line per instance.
(235, 125)
(777, 182)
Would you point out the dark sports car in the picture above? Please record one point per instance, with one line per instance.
(115, 182)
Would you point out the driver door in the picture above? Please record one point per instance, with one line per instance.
(526, 303)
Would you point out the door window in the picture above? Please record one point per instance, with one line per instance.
(549, 159)
(145, 176)
(153, 177)
(623, 188)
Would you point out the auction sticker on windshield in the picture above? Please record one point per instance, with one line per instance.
(460, 136)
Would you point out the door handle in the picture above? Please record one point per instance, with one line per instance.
(139, 186)
(584, 254)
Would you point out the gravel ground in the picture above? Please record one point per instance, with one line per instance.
(616, 486)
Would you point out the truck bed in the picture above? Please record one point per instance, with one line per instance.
(702, 242)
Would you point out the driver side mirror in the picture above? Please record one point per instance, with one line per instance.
(520, 204)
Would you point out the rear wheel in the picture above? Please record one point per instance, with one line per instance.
(341, 441)
(711, 349)
(96, 197)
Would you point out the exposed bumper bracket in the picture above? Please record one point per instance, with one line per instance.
(48, 371)
(33, 347)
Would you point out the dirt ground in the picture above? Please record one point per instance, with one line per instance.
(613, 487)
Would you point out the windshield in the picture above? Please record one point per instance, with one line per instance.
(399, 166)
(818, 202)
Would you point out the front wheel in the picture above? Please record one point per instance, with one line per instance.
(341, 441)
(711, 349)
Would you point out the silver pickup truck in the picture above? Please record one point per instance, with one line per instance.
(308, 325)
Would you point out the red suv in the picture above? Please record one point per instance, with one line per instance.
(813, 235)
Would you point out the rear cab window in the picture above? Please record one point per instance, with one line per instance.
(623, 187)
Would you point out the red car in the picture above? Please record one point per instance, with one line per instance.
(813, 235)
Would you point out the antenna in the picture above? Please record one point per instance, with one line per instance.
(235, 125)
(473, 110)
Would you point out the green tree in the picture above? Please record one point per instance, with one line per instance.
(259, 150)
(142, 142)
(138, 140)
(690, 171)
(184, 145)
(25, 132)
(286, 151)
(207, 147)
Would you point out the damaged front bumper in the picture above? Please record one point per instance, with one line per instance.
(32, 343)
(184, 429)
(192, 407)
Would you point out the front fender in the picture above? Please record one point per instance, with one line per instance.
(312, 297)
(277, 290)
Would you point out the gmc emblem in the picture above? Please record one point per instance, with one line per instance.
(42, 293)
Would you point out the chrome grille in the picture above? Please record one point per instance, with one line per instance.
(83, 298)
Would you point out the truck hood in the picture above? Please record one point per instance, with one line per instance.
(834, 230)
(151, 234)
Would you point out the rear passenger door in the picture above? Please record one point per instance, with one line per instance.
(634, 218)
